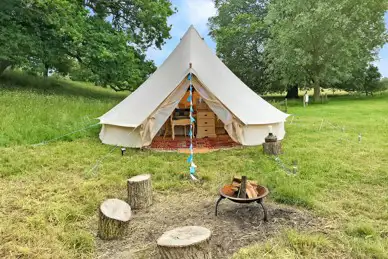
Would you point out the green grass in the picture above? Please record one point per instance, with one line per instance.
(49, 195)
(292, 244)
(34, 109)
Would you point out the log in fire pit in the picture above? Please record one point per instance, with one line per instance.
(243, 191)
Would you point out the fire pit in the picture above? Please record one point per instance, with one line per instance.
(254, 193)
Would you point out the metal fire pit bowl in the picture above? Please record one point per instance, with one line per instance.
(226, 193)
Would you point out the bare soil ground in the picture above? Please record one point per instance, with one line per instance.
(236, 226)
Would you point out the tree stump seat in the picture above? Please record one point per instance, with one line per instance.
(185, 243)
(114, 217)
(272, 148)
(139, 191)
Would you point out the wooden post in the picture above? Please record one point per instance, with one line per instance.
(114, 217)
(242, 193)
(185, 243)
(272, 148)
(285, 103)
(140, 191)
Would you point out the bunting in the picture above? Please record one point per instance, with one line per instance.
(190, 159)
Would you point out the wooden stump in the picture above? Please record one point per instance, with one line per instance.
(114, 218)
(140, 191)
(272, 148)
(185, 243)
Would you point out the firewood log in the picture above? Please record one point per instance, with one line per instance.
(236, 179)
(242, 192)
(251, 191)
(253, 183)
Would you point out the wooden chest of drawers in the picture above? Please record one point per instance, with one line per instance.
(206, 125)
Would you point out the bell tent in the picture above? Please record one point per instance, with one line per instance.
(244, 115)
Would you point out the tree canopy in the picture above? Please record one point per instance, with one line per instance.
(276, 44)
(240, 33)
(106, 40)
(323, 42)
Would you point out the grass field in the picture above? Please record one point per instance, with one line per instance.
(49, 195)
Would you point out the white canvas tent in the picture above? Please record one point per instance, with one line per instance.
(136, 120)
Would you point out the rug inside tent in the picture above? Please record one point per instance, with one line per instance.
(182, 144)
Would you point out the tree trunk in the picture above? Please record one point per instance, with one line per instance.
(46, 71)
(185, 243)
(114, 217)
(293, 93)
(140, 191)
(4, 64)
(317, 92)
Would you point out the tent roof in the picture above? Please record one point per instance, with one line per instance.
(245, 104)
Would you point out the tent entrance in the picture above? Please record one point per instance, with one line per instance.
(213, 126)
(209, 130)
(207, 123)
(213, 119)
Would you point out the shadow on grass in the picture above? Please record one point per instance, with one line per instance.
(14, 80)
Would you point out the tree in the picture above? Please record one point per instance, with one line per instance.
(107, 39)
(321, 42)
(384, 84)
(240, 33)
(365, 80)
(372, 80)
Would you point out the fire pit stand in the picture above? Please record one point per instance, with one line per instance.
(263, 192)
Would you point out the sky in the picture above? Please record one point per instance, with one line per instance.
(197, 13)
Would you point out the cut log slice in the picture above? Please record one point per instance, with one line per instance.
(114, 217)
(185, 242)
(140, 191)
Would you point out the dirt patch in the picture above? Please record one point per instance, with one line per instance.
(236, 226)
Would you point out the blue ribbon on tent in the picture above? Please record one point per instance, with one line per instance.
(192, 120)
(190, 158)
(192, 170)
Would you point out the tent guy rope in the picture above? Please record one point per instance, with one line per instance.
(94, 169)
(288, 171)
(67, 134)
